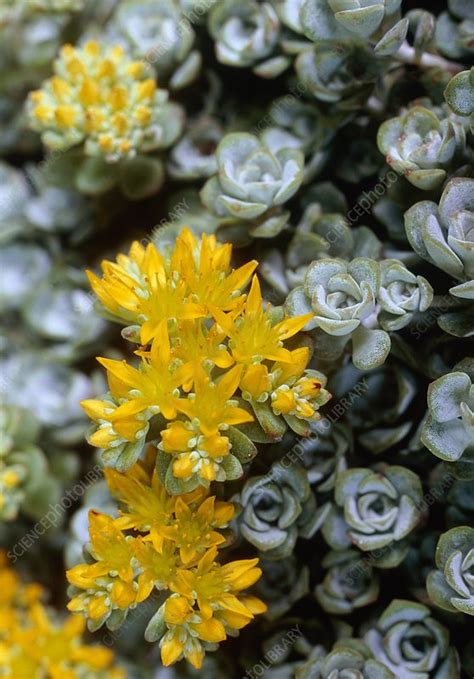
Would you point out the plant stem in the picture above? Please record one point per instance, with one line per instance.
(408, 55)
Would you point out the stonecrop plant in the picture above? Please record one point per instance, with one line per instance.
(236, 339)
(211, 357)
(35, 642)
(173, 547)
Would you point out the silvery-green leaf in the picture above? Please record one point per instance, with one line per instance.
(96, 176)
(363, 21)
(391, 42)
(156, 626)
(272, 68)
(370, 348)
(141, 177)
(447, 440)
(335, 530)
(446, 394)
(187, 72)
(242, 447)
(232, 467)
(460, 93)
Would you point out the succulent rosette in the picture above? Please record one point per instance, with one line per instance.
(375, 510)
(277, 509)
(343, 297)
(348, 584)
(283, 583)
(383, 417)
(193, 156)
(409, 642)
(448, 431)
(161, 34)
(443, 234)
(246, 34)
(420, 146)
(338, 73)
(401, 295)
(252, 185)
(451, 586)
(454, 29)
(349, 657)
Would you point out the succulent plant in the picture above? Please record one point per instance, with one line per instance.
(343, 298)
(277, 508)
(323, 454)
(298, 124)
(454, 29)
(252, 184)
(283, 583)
(265, 137)
(452, 586)
(246, 34)
(409, 642)
(318, 235)
(384, 415)
(23, 266)
(460, 94)
(338, 73)
(161, 34)
(375, 510)
(401, 295)
(442, 234)
(14, 192)
(420, 146)
(460, 503)
(193, 157)
(348, 584)
(50, 390)
(33, 471)
(349, 657)
(448, 431)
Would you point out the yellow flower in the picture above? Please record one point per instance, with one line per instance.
(154, 385)
(193, 532)
(159, 567)
(108, 582)
(205, 267)
(297, 391)
(186, 632)
(36, 644)
(198, 445)
(252, 336)
(200, 346)
(221, 609)
(151, 389)
(211, 406)
(216, 588)
(140, 289)
(147, 508)
(99, 97)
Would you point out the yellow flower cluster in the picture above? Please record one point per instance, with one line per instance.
(172, 546)
(211, 357)
(100, 97)
(34, 643)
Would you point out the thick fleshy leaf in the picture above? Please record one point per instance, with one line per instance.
(370, 348)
